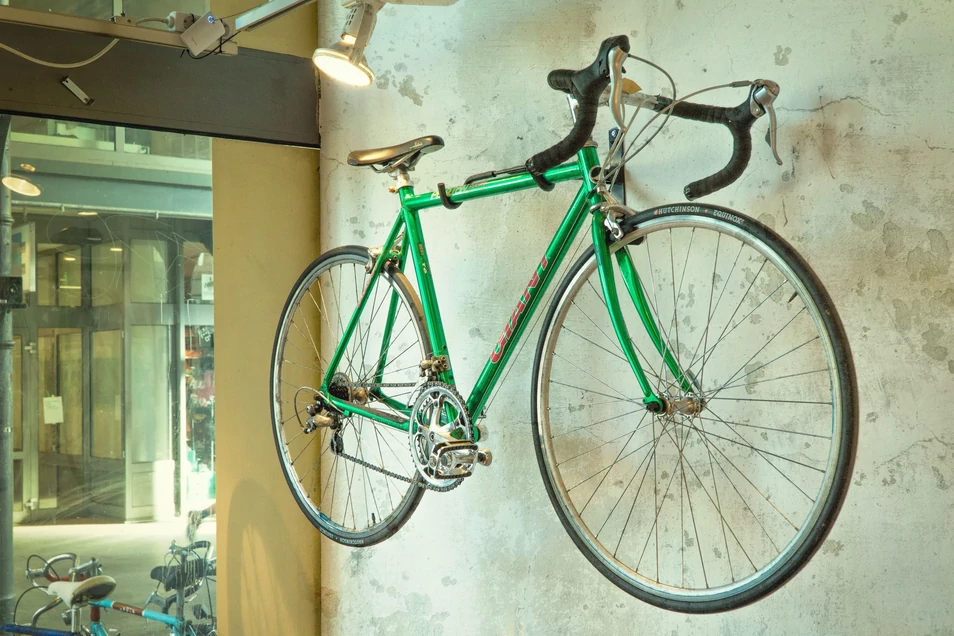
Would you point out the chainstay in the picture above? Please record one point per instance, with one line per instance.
(379, 385)
(423, 484)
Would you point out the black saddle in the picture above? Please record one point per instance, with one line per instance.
(404, 155)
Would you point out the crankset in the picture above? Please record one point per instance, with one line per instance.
(441, 436)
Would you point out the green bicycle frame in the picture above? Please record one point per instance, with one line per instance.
(406, 239)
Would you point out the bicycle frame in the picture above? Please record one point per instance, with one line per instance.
(96, 628)
(406, 239)
(150, 615)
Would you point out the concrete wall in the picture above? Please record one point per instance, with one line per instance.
(265, 209)
(865, 194)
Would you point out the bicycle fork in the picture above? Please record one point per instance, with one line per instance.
(633, 285)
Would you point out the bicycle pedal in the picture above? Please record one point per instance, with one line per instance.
(484, 456)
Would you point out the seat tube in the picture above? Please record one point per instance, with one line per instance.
(608, 283)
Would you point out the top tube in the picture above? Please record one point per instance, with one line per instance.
(502, 185)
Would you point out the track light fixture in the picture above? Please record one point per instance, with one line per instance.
(344, 60)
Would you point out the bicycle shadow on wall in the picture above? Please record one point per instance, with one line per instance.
(259, 563)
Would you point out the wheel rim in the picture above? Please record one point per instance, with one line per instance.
(350, 500)
(672, 446)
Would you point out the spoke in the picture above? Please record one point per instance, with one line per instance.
(303, 450)
(579, 388)
(772, 401)
(745, 504)
(650, 456)
(306, 368)
(615, 342)
(307, 354)
(285, 421)
(762, 455)
(736, 379)
(578, 368)
(387, 483)
(608, 470)
(639, 425)
(762, 451)
(692, 516)
(627, 455)
(770, 340)
(718, 502)
(781, 377)
(588, 426)
(709, 314)
(765, 428)
(385, 350)
(367, 479)
(708, 354)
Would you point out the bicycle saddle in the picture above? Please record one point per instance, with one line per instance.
(406, 154)
(184, 575)
(92, 589)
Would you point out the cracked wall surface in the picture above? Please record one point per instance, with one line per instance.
(865, 195)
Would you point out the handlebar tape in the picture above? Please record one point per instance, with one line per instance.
(738, 120)
(586, 85)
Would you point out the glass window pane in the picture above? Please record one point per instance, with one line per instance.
(67, 134)
(168, 144)
(107, 385)
(151, 426)
(69, 278)
(69, 352)
(148, 271)
(46, 348)
(17, 396)
(198, 274)
(102, 9)
(200, 414)
(45, 277)
(107, 283)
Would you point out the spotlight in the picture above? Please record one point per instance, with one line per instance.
(344, 60)
(20, 185)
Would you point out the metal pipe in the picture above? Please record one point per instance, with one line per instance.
(6, 395)
(154, 214)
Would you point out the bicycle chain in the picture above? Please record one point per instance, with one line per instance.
(380, 385)
(423, 484)
(388, 473)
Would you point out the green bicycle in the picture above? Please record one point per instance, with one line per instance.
(694, 406)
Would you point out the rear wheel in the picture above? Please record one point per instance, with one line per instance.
(355, 479)
(713, 508)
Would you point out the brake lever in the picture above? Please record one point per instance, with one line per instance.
(618, 56)
(761, 101)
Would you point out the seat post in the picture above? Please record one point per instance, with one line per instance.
(403, 180)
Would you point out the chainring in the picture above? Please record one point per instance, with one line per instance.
(438, 413)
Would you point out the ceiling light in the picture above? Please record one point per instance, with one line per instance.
(69, 259)
(344, 60)
(87, 213)
(115, 249)
(337, 63)
(21, 185)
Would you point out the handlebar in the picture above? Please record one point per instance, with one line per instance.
(586, 86)
(74, 573)
(737, 119)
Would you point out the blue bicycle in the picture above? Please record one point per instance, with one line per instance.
(184, 573)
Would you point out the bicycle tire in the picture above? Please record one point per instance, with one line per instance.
(645, 232)
(378, 488)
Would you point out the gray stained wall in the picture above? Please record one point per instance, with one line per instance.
(865, 194)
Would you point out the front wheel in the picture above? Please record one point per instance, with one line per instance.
(709, 508)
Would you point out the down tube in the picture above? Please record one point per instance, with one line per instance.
(529, 301)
